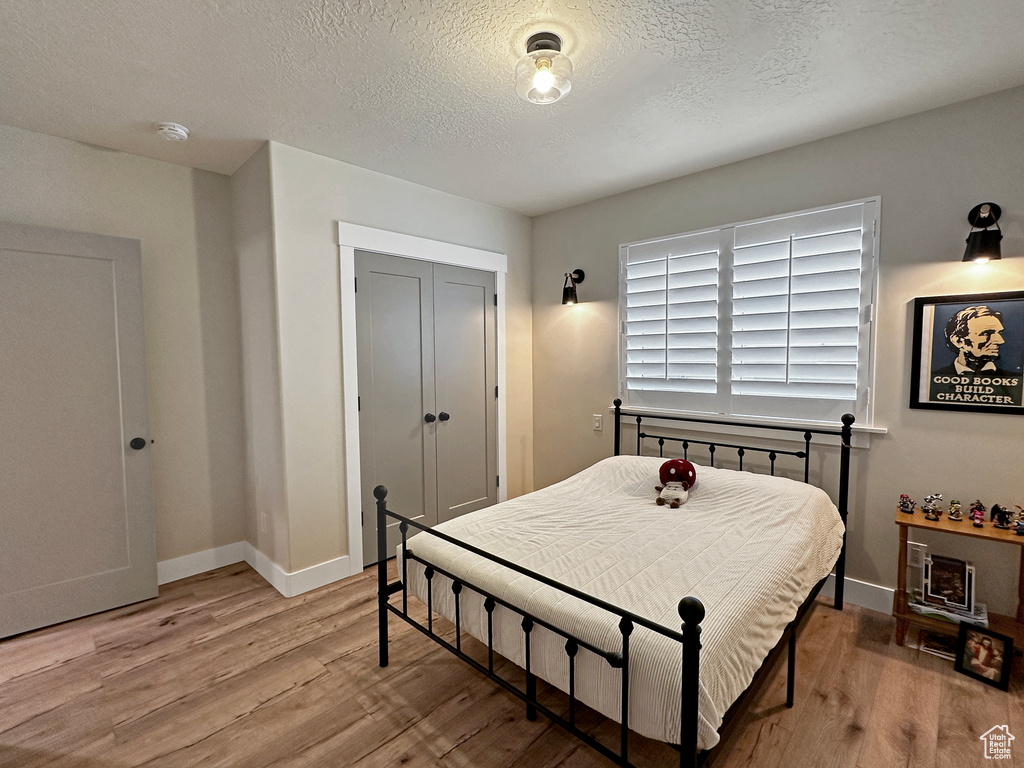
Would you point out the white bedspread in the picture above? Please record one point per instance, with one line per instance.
(751, 547)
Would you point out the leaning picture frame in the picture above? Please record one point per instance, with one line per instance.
(968, 353)
(949, 582)
(984, 655)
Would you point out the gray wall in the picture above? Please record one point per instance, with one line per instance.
(301, 348)
(930, 169)
(182, 218)
(267, 513)
(278, 212)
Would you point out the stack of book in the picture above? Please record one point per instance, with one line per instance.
(943, 646)
(978, 617)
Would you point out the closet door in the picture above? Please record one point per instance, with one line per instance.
(426, 337)
(465, 378)
(395, 355)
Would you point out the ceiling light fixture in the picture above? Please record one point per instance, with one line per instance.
(983, 246)
(544, 74)
(172, 131)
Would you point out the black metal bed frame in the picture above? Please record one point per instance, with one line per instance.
(691, 610)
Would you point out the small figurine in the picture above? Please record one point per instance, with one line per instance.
(978, 513)
(955, 515)
(1020, 519)
(906, 504)
(931, 509)
(1000, 517)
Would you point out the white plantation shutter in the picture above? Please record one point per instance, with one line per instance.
(671, 315)
(797, 305)
(765, 318)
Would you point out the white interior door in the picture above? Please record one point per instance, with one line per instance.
(395, 348)
(426, 339)
(76, 501)
(467, 400)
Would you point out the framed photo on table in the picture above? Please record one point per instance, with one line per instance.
(949, 582)
(984, 655)
(968, 353)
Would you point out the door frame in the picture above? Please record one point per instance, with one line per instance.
(353, 237)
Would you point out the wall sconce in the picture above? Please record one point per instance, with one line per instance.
(569, 296)
(544, 74)
(983, 246)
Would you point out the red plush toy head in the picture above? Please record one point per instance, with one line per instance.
(678, 471)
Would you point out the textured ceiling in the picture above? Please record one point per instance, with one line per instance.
(424, 91)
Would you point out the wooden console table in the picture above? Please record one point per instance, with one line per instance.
(1007, 625)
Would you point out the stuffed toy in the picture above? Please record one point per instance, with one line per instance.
(678, 477)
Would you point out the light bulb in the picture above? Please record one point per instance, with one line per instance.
(544, 79)
(544, 74)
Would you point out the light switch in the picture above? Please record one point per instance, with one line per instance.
(598, 426)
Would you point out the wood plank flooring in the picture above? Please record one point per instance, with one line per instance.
(220, 670)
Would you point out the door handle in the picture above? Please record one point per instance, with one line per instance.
(443, 416)
(430, 418)
(138, 443)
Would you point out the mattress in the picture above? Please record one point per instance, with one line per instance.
(750, 547)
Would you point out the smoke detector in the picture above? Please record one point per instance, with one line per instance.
(172, 131)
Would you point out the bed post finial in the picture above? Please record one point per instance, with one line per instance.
(848, 419)
(691, 611)
(380, 493)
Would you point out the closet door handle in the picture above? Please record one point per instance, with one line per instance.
(443, 416)
(430, 418)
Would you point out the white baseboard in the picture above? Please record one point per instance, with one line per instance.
(199, 562)
(273, 573)
(288, 584)
(862, 593)
(317, 576)
(292, 584)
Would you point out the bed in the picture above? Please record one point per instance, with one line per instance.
(579, 584)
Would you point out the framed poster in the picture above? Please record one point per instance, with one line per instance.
(984, 655)
(968, 353)
(949, 582)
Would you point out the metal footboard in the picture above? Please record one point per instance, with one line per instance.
(691, 612)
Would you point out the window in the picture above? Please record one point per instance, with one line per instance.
(764, 318)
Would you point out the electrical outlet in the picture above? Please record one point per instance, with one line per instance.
(598, 423)
(915, 554)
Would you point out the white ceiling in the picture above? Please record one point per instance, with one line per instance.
(424, 91)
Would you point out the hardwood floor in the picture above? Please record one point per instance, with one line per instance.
(220, 670)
